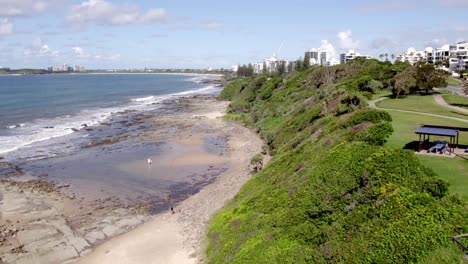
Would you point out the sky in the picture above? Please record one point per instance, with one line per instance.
(119, 34)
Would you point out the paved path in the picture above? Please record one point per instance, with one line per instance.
(440, 100)
(455, 89)
(372, 104)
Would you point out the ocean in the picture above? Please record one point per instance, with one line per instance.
(44, 116)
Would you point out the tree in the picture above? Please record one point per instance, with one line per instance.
(465, 87)
(428, 77)
(393, 56)
(404, 81)
(381, 56)
(264, 69)
(306, 60)
(386, 56)
(281, 68)
(299, 64)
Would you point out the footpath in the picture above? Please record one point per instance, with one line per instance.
(372, 104)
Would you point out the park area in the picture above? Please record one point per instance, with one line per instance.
(454, 169)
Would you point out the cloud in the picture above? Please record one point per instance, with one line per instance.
(436, 42)
(383, 42)
(214, 25)
(346, 40)
(79, 52)
(40, 49)
(326, 45)
(104, 12)
(381, 7)
(25, 7)
(6, 27)
(452, 3)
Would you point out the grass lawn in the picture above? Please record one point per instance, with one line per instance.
(454, 170)
(456, 100)
(452, 81)
(420, 103)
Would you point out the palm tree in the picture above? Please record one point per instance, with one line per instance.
(386, 56)
(381, 56)
(393, 56)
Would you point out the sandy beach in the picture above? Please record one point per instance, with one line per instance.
(42, 223)
(179, 237)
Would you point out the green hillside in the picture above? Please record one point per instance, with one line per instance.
(332, 192)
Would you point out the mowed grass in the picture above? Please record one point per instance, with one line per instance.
(454, 170)
(452, 81)
(420, 103)
(456, 100)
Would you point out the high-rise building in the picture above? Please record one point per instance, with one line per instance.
(319, 57)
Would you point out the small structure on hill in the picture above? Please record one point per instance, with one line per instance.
(445, 131)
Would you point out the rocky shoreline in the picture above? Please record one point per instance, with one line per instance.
(46, 222)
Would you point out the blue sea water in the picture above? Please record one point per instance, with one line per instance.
(36, 110)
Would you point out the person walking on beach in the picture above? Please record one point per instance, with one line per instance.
(172, 209)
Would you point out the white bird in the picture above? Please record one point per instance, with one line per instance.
(150, 161)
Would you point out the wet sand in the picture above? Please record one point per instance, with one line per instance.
(199, 162)
(180, 237)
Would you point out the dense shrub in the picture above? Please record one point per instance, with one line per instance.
(369, 115)
(332, 193)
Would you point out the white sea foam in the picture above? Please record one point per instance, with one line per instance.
(38, 131)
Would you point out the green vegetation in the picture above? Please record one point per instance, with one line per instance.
(22, 71)
(421, 103)
(456, 100)
(421, 77)
(453, 170)
(334, 191)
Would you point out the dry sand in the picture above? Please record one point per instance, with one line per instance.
(180, 237)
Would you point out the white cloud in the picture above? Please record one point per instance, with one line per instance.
(453, 3)
(6, 27)
(214, 25)
(436, 42)
(104, 12)
(40, 49)
(80, 53)
(346, 40)
(25, 7)
(383, 42)
(326, 45)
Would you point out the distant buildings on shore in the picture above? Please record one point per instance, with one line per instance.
(271, 65)
(454, 57)
(66, 68)
(316, 56)
(351, 55)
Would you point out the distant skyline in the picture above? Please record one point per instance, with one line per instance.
(111, 34)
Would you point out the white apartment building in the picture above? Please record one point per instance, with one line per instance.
(459, 57)
(455, 55)
(412, 55)
(351, 55)
(319, 57)
(272, 65)
(65, 67)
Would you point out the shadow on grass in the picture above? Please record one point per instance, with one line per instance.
(413, 145)
(460, 105)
